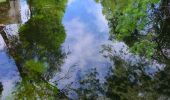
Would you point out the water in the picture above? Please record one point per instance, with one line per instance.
(87, 35)
(87, 31)
(87, 49)
(9, 74)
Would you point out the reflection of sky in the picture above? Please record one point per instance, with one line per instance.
(24, 11)
(89, 14)
(8, 71)
(87, 30)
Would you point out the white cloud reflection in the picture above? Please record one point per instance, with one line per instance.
(70, 2)
(84, 41)
(96, 11)
(86, 32)
(84, 48)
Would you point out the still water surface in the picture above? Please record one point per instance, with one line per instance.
(87, 37)
(87, 31)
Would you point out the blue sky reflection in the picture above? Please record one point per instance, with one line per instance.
(87, 31)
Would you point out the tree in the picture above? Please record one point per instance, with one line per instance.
(132, 21)
(144, 27)
(37, 50)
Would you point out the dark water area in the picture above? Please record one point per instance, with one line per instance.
(71, 52)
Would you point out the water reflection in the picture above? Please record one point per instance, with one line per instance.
(93, 61)
(9, 74)
(37, 52)
(88, 66)
(10, 11)
(86, 31)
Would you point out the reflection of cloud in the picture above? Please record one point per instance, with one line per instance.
(84, 46)
(121, 50)
(101, 22)
(24, 10)
(9, 74)
(70, 1)
(12, 29)
(96, 10)
(2, 43)
(84, 49)
(86, 30)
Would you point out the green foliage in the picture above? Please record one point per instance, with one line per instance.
(90, 87)
(123, 82)
(144, 48)
(42, 36)
(127, 81)
(145, 29)
(32, 88)
(37, 53)
(127, 20)
(130, 22)
(35, 66)
(48, 26)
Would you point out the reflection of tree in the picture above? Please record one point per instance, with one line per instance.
(1, 88)
(37, 51)
(144, 27)
(135, 80)
(162, 82)
(90, 87)
(33, 85)
(163, 25)
(127, 82)
(43, 34)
